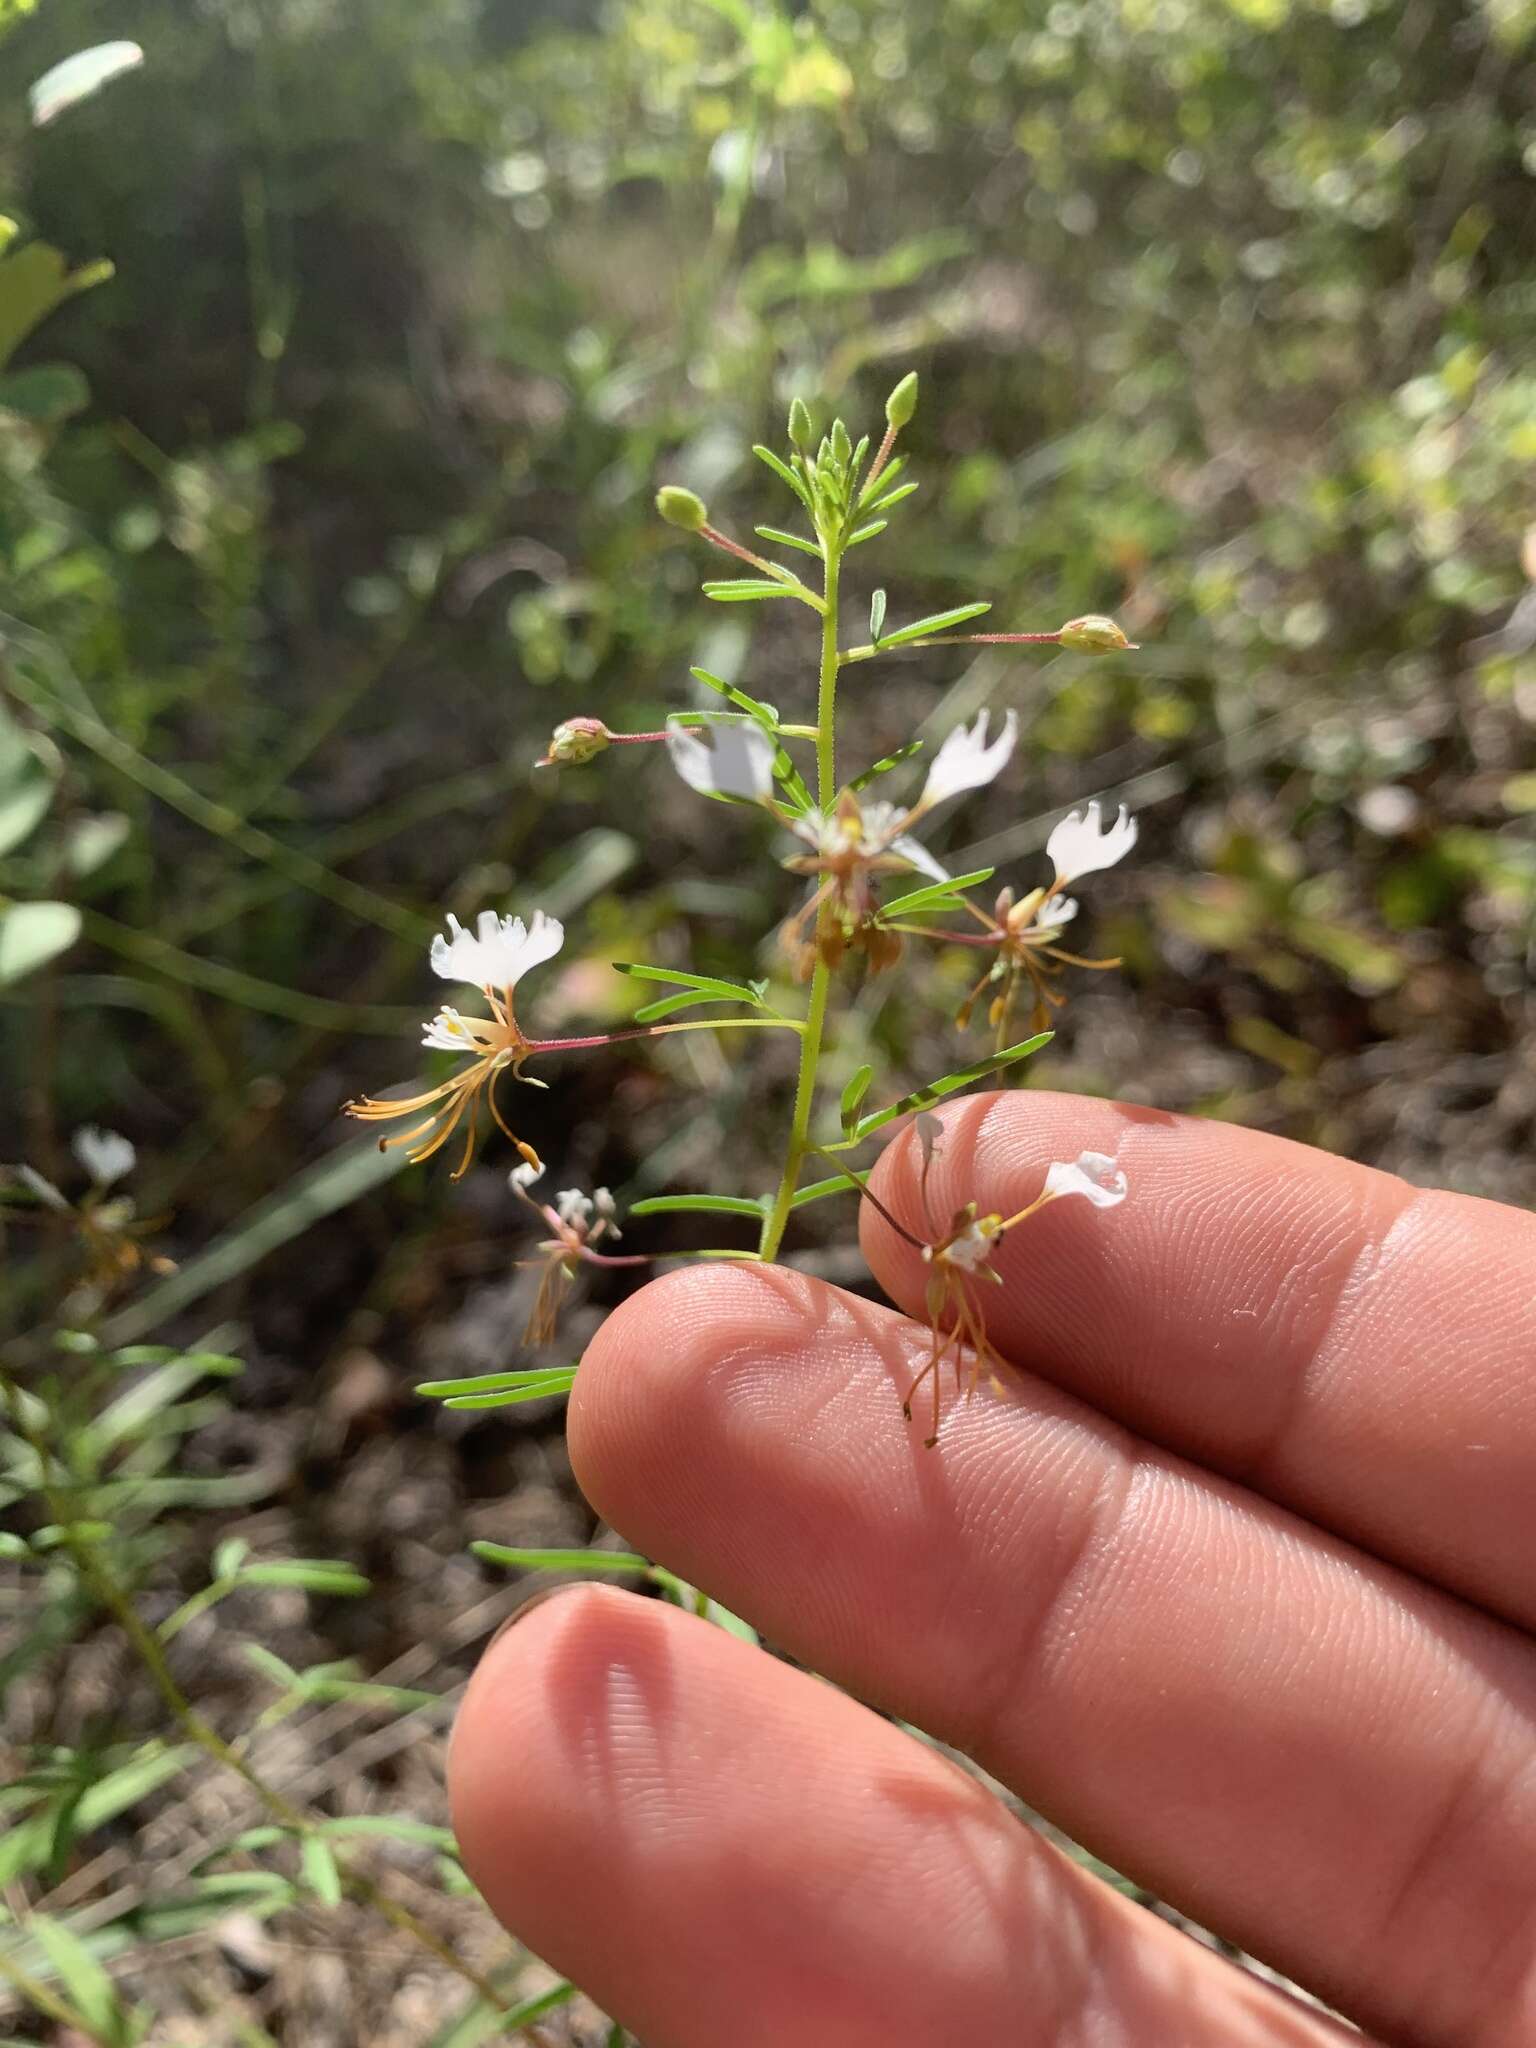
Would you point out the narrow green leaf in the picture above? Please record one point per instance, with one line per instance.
(886, 764)
(950, 1084)
(491, 1382)
(668, 1006)
(554, 1383)
(936, 893)
(397, 1827)
(620, 1562)
(936, 622)
(854, 1094)
(765, 714)
(710, 1205)
(787, 540)
(745, 590)
(876, 614)
(835, 1184)
(312, 1574)
(709, 984)
(271, 1666)
(784, 473)
(883, 481)
(320, 1871)
(534, 2008)
(868, 532)
(83, 1978)
(891, 498)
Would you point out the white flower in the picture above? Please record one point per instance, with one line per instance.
(1082, 845)
(496, 954)
(971, 1247)
(573, 1206)
(105, 1155)
(525, 1174)
(861, 833)
(447, 1032)
(967, 761)
(1093, 1174)
(735, 760)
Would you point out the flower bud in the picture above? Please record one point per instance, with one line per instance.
(800, 428)
(902, 403)
(575, 741)
(681, 508)
(1094, 635)
(842, 447)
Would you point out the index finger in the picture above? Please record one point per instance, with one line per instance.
(1353, 1347)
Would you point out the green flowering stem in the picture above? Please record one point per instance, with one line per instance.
(821, 978)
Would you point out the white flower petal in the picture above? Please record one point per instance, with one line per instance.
(105, 1155)
(524, 1175)
(727, 757)
(1092, 1174)
(972, 1247)
(78, 77)
(1081, 844)
(916, 855)
(967, 761)
(574, 1207)
(1054, 912)
(498, 952)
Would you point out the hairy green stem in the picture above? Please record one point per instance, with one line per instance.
(821, 978)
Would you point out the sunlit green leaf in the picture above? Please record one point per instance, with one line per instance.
(703, 1205)
(619, 1563)
(936, 894)
(949, 1084)
(936, 622)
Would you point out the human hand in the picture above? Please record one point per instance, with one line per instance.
(1238, 1586)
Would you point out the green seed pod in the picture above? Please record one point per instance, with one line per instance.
(681, 508)
(800, 428)
(1094, 635)
(902, 403)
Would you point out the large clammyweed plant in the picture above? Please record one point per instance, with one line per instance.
(870, 891)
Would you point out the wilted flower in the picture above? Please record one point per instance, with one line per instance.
(1025, 932)
(960, 1258)
(855, 843)
(493, 958)
(578, 1223)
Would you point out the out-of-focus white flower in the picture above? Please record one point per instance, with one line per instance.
(1082, 845)
(967, 760)
(498, 952)
(106, 1155)
(525, 1173)
(1093, 1175)
(726, 757)
(77, 77)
